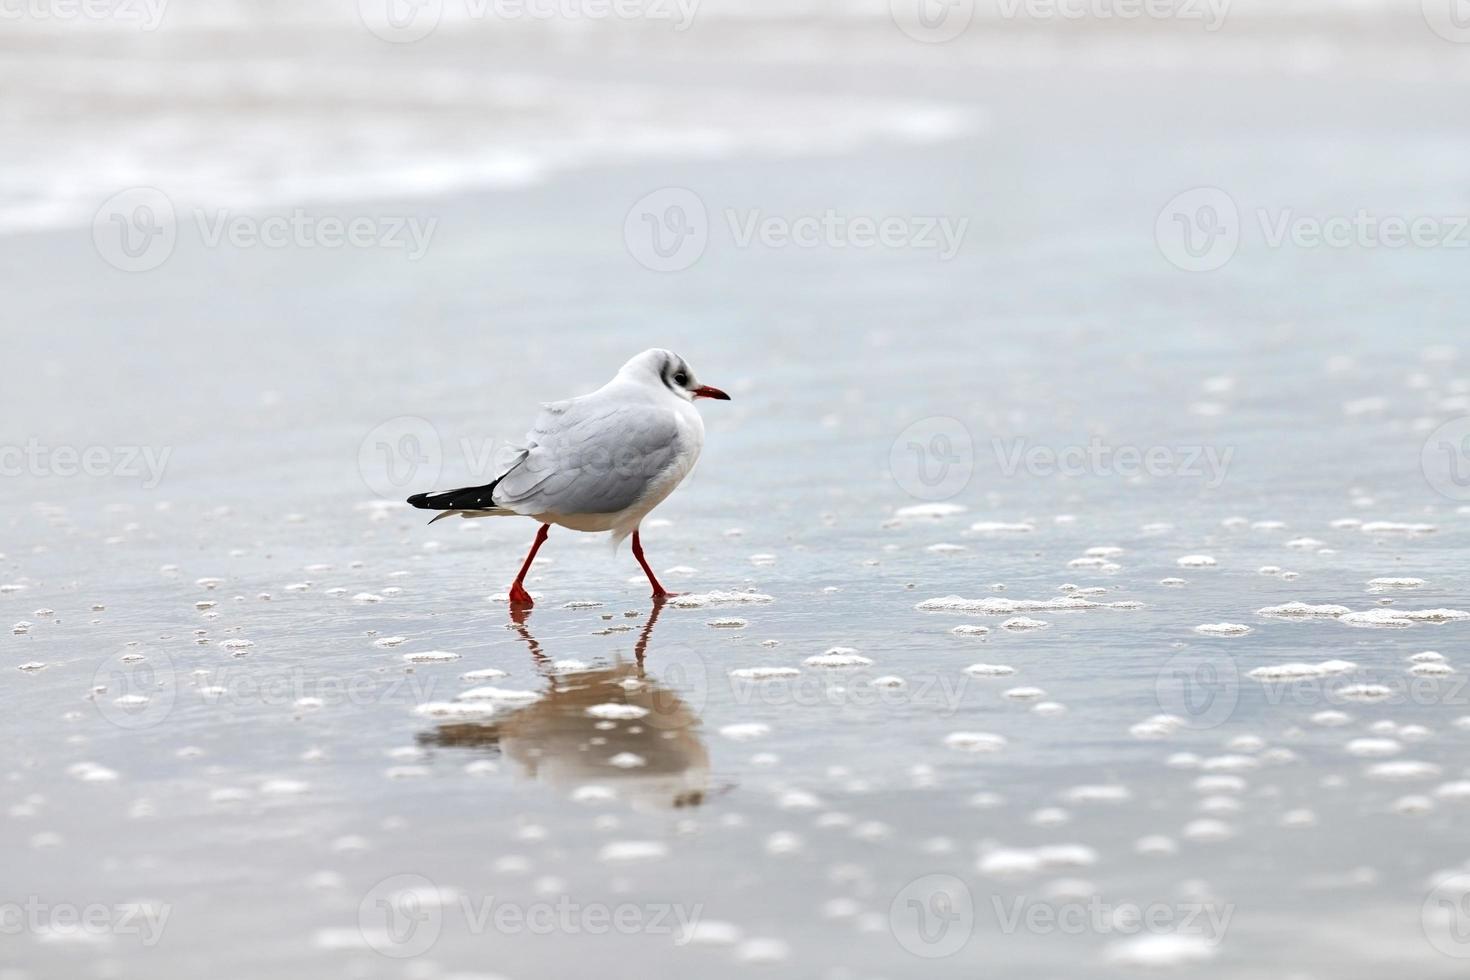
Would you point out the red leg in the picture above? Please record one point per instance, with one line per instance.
(659, 592)
(518, 594)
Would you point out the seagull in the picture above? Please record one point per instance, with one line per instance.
(600, 462)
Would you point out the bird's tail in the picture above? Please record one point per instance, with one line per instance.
(464, 502)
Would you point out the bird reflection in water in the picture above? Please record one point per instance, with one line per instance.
(656, 760)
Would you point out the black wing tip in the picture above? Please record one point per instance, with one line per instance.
(465, 498)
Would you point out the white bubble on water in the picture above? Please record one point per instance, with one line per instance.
(1458, 791)
(1219, 784)
(1367, 693)
(764, 673)
(1373, 747)
(1155, 845)
(430, 657)
(708, 932)
(1024, 693)
(968, 629)
(1303, 610)
(1402, 770)
(92, 772)
(1301, 671)
(1160, 950)
(975, 742)
(1196, 561)
(632, 850)
(703, 600)
(838, 657)
(763, 950)
(1388, 583)
(990, 670)
(1223, 629)
(490, 693)
(483, 674)
(1098, 793)
(745, 731)
(1208, 830)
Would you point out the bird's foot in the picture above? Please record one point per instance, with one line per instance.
(661, 595)
(520, 598)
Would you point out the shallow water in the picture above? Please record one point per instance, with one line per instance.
(325, 800)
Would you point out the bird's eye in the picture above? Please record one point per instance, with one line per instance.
(681, 379)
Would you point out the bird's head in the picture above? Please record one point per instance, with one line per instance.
(669, 370)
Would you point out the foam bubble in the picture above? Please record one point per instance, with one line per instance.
(1223, 629)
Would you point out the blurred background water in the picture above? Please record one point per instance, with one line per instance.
(235, 664)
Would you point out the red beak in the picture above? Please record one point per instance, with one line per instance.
(705, 391)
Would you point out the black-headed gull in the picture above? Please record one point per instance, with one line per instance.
(600, 462)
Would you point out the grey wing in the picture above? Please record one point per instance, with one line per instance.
(590, 456)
